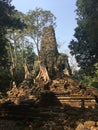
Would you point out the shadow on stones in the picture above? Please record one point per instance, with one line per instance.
(47, 114)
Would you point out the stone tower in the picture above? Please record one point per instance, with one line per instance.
(54, 62)
(48, 50)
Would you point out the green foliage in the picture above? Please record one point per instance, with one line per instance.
(7, 21)
(85, 44)
(19, 75)
(87, 80)
(3, 49)
(30, 56)
(5, 79)
(36, 20)
(21, 47)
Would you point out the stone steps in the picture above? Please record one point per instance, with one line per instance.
(75, 100)
(28, 110)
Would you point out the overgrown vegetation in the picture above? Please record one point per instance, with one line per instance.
(85, 45)
(21, 33)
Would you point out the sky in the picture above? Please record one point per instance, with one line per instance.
(63, 10)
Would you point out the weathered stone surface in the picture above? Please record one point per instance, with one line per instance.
(80, 127)
(48, 50)
(89, 124)
(56, 63)
(94, 128)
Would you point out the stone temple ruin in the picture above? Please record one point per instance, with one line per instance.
(56, 63)
(59, 71)
(60, 104)
(55, 67)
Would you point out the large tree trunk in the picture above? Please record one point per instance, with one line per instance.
(43, 74)
(27, 73)
(13, 70)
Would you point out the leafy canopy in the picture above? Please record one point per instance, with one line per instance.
(36, 20)
(7, 21)
(85, 44)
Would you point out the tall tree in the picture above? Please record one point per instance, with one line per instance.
(7, 20)
(85, 44)
(36, 21)
(21, 47)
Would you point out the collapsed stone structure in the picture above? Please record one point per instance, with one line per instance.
(65, 105)
(54, 61)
